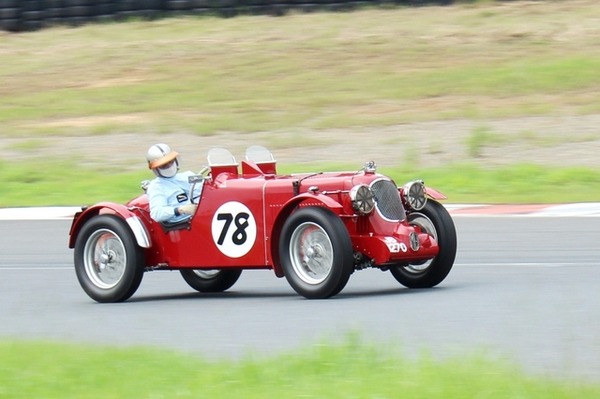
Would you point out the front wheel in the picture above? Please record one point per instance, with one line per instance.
(108, 262)
(211, 280)
(434, 220)
(316, 253)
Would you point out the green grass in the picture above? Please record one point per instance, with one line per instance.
(520, 183)
(348, 370)
(70, 184)
(64, 182)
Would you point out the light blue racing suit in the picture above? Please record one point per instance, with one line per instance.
(167, 193)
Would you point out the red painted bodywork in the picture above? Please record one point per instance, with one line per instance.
(271, 198)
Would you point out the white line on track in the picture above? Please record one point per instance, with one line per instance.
(472, 264)
(528, 264)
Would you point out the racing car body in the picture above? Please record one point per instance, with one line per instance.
(314, 229)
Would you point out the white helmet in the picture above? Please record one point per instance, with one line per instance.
(162, 160)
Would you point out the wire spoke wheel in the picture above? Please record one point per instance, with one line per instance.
(434, 220)
(104, 259)
(316, 252)
(426, 226)
(311, 253)
(108, 261)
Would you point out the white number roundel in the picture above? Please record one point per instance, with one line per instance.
(233, 229)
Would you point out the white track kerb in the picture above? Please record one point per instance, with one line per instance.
(588, 209)
(38, 213)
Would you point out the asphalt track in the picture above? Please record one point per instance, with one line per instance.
(524, 288)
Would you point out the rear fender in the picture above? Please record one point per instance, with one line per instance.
(286, 211)
(135, 223)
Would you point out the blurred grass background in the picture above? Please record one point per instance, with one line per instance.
(371, 68)
(63, 183)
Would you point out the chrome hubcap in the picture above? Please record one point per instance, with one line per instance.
(426, 226)
(104, 259)
(311, 253)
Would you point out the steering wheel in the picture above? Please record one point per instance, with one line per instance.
(193, 180)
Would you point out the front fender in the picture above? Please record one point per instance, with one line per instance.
(324, 200)
(135, 223)
(286, 211)
(434, 194)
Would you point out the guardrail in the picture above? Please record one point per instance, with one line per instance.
(29, 15)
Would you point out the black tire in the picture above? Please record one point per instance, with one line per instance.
(77, 12)
(108, 262)
(179, 5)
(11, 25)
(9, 3)
(31, 5)
(211, 280)
(77, 3)
(53, 4)
(316, 253)
(436, 221)
(10, 13)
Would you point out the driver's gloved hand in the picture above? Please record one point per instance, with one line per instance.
(188, 209)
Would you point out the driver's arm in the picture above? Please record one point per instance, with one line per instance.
(160, 208)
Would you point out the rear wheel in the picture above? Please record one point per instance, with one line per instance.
(108, 262)
(211, 280)
(316, 253)
(434, 220)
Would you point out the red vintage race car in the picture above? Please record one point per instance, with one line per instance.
(314, 229)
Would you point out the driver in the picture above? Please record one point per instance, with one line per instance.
(168, 193)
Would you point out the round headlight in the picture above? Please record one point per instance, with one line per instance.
(362, 199)
(414, 194)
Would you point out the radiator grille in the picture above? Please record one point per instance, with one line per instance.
(388, 200)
